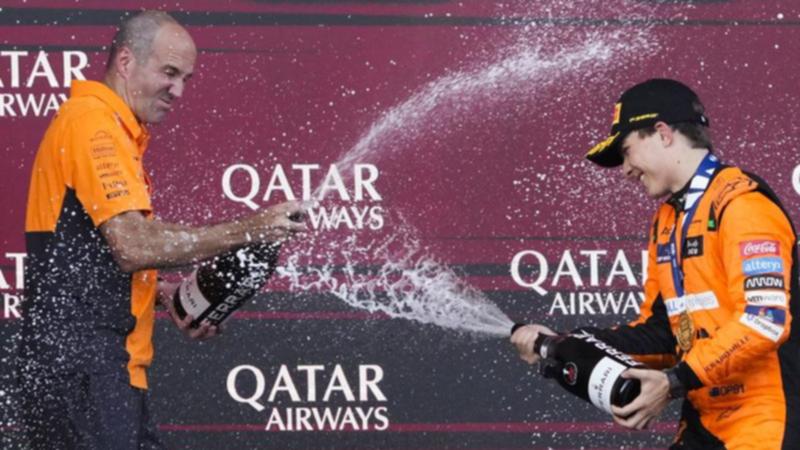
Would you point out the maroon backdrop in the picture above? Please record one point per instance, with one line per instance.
(509, 96)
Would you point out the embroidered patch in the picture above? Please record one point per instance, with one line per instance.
(693, 247)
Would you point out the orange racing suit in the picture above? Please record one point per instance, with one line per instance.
(730, 333)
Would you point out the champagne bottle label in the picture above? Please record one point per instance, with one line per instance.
(602, 381)
(190, 300)
(588, 368)
(216, 289)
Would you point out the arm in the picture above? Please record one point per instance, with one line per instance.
(649, 337)
(110, 185)
(138, 243)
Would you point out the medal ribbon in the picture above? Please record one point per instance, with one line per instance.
(697, 187)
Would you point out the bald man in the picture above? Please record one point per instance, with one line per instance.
(94, 246)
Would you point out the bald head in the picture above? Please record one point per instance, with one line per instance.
(137, 34)
(151, 59)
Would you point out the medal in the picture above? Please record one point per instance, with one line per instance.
(685, 334)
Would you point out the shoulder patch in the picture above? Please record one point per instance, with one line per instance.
(732, 188)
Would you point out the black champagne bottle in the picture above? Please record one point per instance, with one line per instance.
(220, 286)
(588, 368)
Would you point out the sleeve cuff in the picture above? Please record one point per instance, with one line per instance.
(687, 376)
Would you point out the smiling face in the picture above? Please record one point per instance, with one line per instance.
(645, 160)
(154, 84)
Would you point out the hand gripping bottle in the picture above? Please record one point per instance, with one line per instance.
(588, 368)
(219, 287)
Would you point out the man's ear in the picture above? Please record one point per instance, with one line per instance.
(124, 62)
(666, 133)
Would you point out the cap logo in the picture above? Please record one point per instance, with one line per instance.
(617, 112)
(642, 117)
(603, 145)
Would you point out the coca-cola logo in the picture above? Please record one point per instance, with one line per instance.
(757, 248)
(570, 373)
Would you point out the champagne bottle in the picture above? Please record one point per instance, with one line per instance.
(588, 368)
(219, 287)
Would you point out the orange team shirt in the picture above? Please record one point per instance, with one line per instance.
(92, 153)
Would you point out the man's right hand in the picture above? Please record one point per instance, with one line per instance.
(524, 338)
(279, 222)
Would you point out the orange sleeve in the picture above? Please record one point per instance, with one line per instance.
(757, 254)
(105, 168)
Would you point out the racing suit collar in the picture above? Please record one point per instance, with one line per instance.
(678, 199)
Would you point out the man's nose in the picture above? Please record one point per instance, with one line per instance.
(176, 89)
(627, 170)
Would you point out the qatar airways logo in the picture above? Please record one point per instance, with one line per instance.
(313, 397)
(35, 83)
(12, 283)
(347, 200)
(758, 248)
(599, 269)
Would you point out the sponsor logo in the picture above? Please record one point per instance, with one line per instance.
(116, 184)
(35, 83)
(765, 298)
(759, 266)
(774, 315)
(730, 389)
(321, 397)
(662, 253)
(727, 353)
(609, 350)
(617, 111)
(355, 192)
(796, 179)
(106, 166)
(739, 184)
(570, 373)
(115, 194)
(749, 249)
(763, 282)
(641, 117)
(693, 247)
(101, 135)
(12, 283)
(531, 269)
(762, 326)
(691, 303)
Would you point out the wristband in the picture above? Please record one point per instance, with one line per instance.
(676, 388)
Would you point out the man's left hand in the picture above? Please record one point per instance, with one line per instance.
(166, 292)
(645, 408)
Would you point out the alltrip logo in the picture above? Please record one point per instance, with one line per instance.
(12, 282)
(314, 397)
(25, 71)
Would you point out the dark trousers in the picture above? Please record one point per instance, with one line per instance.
(86, 412)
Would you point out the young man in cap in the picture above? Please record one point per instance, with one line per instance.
(721, 284)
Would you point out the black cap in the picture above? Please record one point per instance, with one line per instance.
(656, 100)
